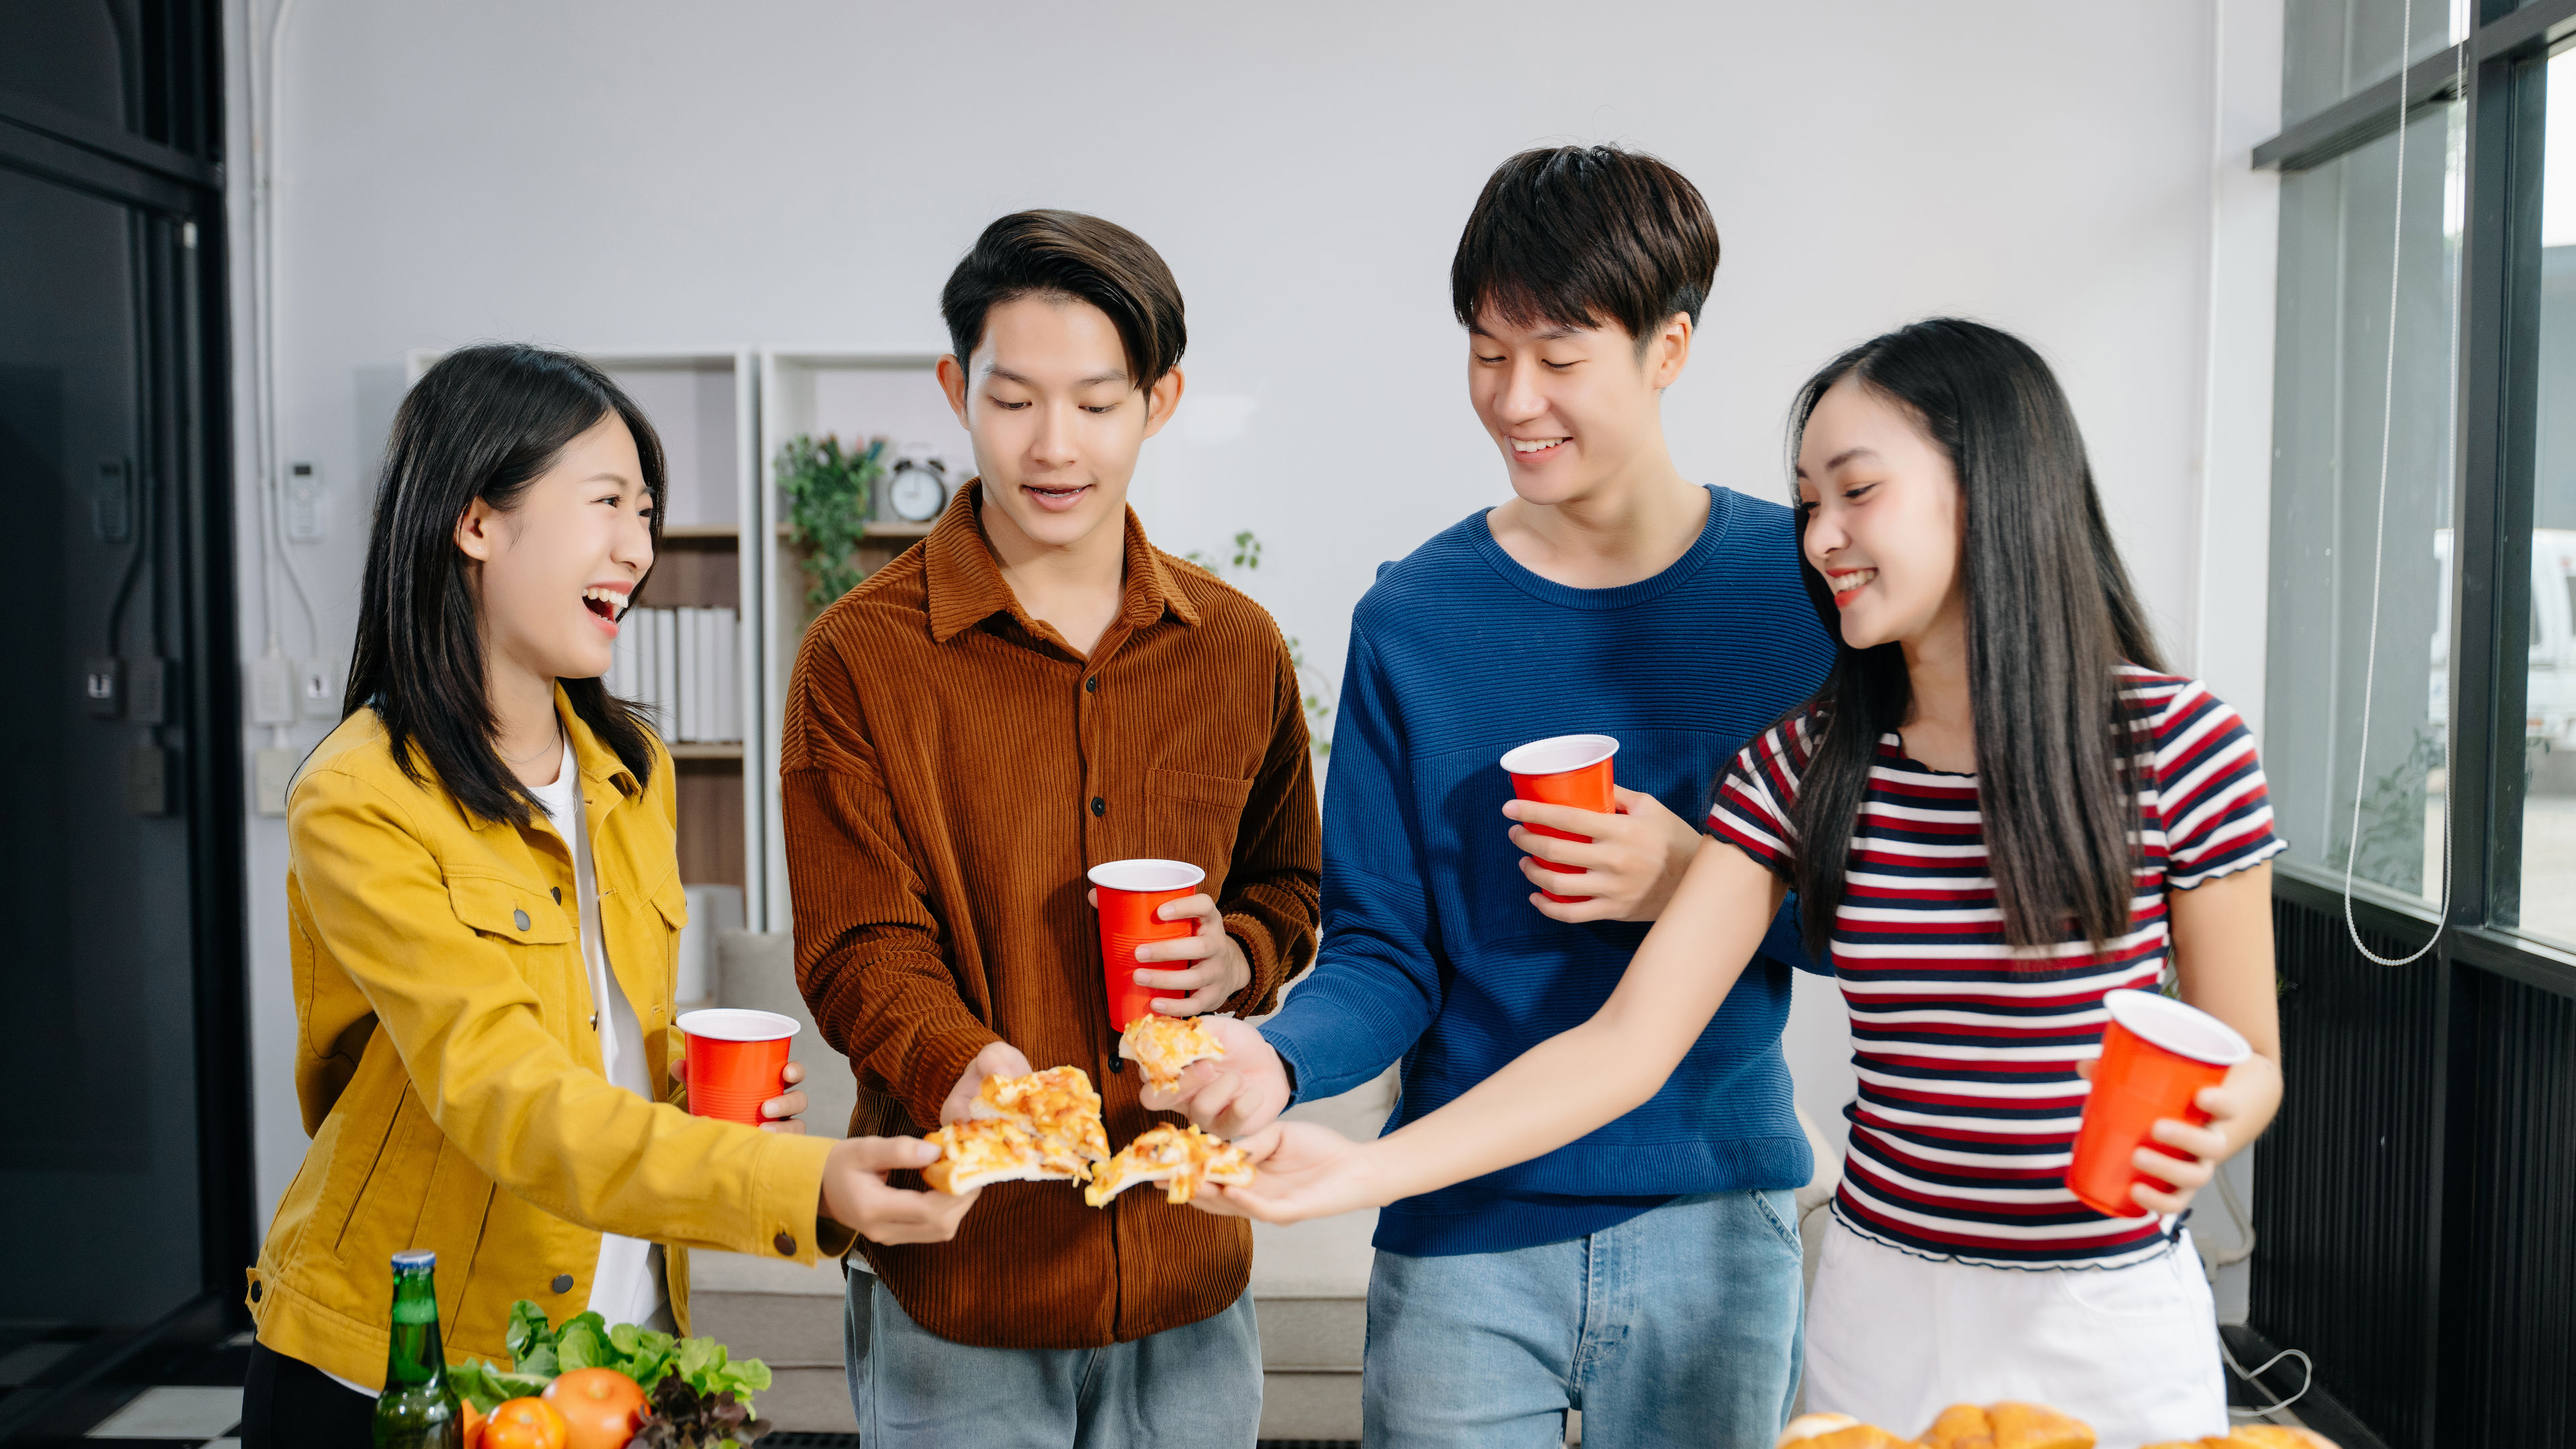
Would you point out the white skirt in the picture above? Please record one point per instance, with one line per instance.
(1893, 1339)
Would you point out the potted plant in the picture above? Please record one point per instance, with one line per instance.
(828, 489)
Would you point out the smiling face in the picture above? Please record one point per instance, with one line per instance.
(1884, 518)
(1055, 418)
(553, 573)
(1570, 407)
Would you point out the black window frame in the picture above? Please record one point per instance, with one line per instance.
(169, 164)
(2441, 1084)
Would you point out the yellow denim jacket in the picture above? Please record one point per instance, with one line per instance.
(450, 1074)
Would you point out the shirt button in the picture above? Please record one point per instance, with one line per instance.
(1098, 807)
(562, 1283)
(557, 893)
(520, 918)
(254, 1290)
(1091, 685)
(785, 1243)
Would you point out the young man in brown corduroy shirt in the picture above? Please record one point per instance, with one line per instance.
(1032, 691)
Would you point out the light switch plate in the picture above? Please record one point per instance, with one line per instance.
(272, 690)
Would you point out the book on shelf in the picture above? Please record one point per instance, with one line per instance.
(681, 667)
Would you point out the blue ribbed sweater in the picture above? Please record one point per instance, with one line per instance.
(1431, 951)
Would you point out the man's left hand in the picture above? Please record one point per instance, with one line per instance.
(1213, 968)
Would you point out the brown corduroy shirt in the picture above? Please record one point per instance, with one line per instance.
(950, 768)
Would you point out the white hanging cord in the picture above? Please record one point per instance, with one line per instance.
(273, 544)
(2379, 538)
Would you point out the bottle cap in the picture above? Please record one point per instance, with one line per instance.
(415, 1259)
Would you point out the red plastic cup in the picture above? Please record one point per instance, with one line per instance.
(2156, 1056)
(1131, 892)
(1564, 770)
(736, 1061)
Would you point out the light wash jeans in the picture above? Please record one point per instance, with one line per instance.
(1680, 1326)
(1197, 1387)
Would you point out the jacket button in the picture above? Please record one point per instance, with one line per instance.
(785, 1243)
(520, 919)
(557, 893)
(1091, 685)
(1099, 806)
(562, 1283)
(254, 1291)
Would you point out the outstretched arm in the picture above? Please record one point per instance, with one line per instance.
(1556, 1091)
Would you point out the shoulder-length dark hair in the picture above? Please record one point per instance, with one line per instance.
(483, 422)
(2051, 616)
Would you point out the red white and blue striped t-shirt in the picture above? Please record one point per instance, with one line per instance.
(1969, 1100)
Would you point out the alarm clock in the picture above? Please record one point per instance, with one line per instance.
(917, 489)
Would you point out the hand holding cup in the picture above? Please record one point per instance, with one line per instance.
(1630, 859)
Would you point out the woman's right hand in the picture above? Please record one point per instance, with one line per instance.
(857, 1196)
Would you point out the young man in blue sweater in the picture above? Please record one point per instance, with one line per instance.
(1647, 1275)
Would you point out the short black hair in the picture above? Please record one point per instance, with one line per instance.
(1065, 253)
(1580, 236)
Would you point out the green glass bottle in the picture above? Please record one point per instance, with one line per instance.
(418, 1409)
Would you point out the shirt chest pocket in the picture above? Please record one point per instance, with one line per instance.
(548, 938)
(1194, 818)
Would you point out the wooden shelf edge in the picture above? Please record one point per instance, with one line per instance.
(890, 528)
(685, 532)
(702, 750)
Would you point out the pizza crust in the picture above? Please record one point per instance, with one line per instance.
(1163, 1045)
(1180, 1158)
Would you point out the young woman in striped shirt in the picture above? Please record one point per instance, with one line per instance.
(1999, 808)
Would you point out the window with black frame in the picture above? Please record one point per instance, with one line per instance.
(2368, 438)
(2420, 724)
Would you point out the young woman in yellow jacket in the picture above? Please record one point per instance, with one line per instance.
(484, 903)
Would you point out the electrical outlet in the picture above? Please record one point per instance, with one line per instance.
(147, 780)
(147, 691)
(272, 770)
(317, 688)
(103, 687)
(272, 690)
(303, 503)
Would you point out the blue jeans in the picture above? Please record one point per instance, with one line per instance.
(1183, 1388)
(1679, 1326)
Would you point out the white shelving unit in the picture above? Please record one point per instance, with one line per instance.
(855, 393)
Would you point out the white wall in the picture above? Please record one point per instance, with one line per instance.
(657, 173)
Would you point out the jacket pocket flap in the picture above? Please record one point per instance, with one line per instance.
(672, 899)
(508, 910)
(1215, 790)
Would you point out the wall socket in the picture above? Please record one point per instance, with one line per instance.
(272, 690)
(303, 502)
(317, 688)
(103, 687)
(272, 770)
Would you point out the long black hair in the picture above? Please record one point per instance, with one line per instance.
(2051, 617)
(483, 423)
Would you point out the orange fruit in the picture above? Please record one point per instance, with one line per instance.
(601, 1407)
(524, 1424)
(473, 1422)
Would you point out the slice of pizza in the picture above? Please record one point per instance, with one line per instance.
(1180, 1158)
(1057, 1106)
(1837, 1431)
(996, 1149)
(2037, 1426)
(1162, 1045)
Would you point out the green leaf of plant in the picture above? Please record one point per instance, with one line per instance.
(626, 1338)
(527, 1330)
(541, 1364)
(581, 1345)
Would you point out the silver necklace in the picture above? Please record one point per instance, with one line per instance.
(555, 744)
